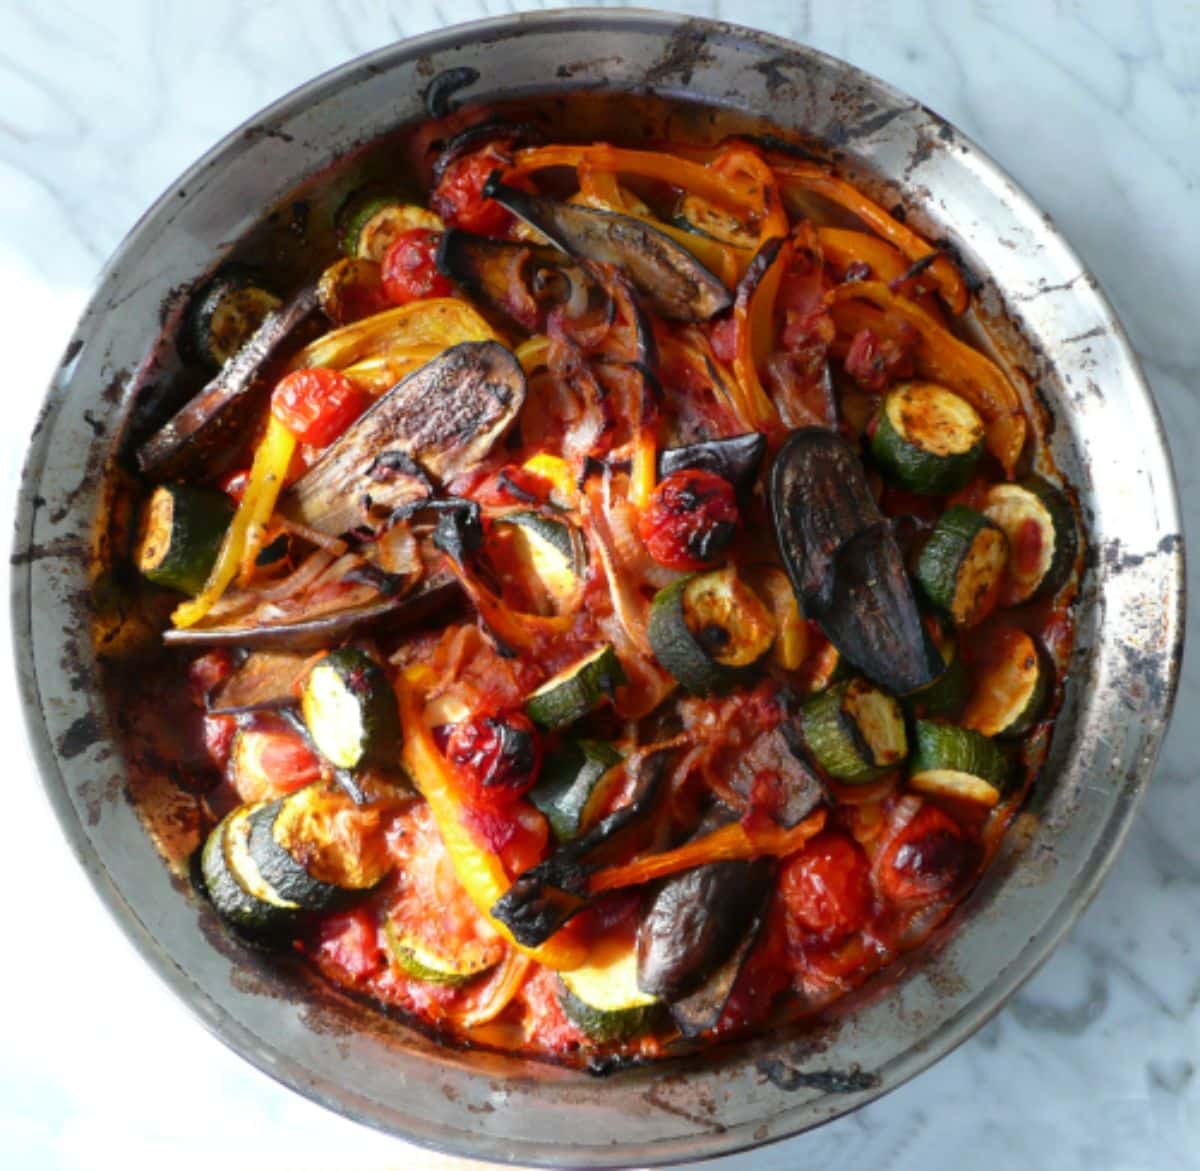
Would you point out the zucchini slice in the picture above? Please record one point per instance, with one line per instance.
(370, 225)
(349, 708)
(1011, 684)
(949, 761)
(549, 551)
(946, 695)
(236, 887)
(225, 315)
(962, 565)
(928, 440)
(854, 731)
(603, 998)
(180, 535)
(302, 850)
(421, 960)
(1042, 537)
(574, 785)
(573, 692)
(710, 630)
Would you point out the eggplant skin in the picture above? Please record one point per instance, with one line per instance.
(674, 283)
(445, 416)
(819, 500)
(205, 433)
(736, 459)
(871, 615)
(694, 923)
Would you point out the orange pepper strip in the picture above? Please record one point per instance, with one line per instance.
(479, 870)
(844, 247)
(754, 330)
(729, 843)
(816, 179)
(516, 629)
(942, 358)
(759, 183)
(667, 168)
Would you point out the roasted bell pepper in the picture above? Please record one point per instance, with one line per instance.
(730, 843)
(754, 329)
(244, 537)
(478, 868)
(818, 180)
(941, 357)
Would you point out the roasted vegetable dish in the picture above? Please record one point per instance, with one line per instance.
(624, 606)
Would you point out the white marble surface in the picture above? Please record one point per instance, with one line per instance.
(1094, 106)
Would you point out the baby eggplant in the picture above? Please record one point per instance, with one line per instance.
(674, 283)
(444, 416)
(736, 459)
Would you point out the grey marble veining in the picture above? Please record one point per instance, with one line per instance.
(1093, 106)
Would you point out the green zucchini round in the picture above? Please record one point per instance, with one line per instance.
(854, 731)
(946, 695)
(551, 553)
(235, 885)
(180, 535)
(575, 691)
(603, 998)
(1034, 508)
(350, 710)
(710, 630)
(949, 761)
(286, 860)
(370, 224)
(928, 439)
(225, 314)
(416, 958)
(961, 567)
(574, 782)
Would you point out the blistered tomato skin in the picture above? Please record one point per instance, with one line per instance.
(826, 888)
(929, 857)
(498, 754)
(690, 520)
(458, 197)
(410, 271)
(317, 405)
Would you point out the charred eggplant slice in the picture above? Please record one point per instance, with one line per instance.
(263, 682)
(299, 633)
(205, 433)
(519, 282)
(736, 459)
(674, 283)
(695, 921)
(777, 754)
(445, 417)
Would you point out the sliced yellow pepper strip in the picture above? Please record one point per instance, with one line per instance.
(479, 870)
(243, 538)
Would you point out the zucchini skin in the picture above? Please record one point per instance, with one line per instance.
(907, 462)
(181, 533)
(570, 780)
(225, 314)
(947, 748)
(250, 914)
(636, 1011)
(1012, 651)
(956, 556)
(946, 695)
(366, 685)
(571, 694)
(833, 736)
(1065, 536)
(408, 955)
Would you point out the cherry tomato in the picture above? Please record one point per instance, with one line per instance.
(690, 520)
(206, 672)
(874, 362)
(218, 738)
(350, 941)
(410, 271)
(925, 861)
(498, 754)
(458, 196)
(234, 484)
(278, 761)
(826, 888)
(317, 405)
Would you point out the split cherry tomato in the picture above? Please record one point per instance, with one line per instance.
(458, 197)
(826, 888)
(317, 405)
(410, 271)
(498, 754)
(690, 520)
(927, 859)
